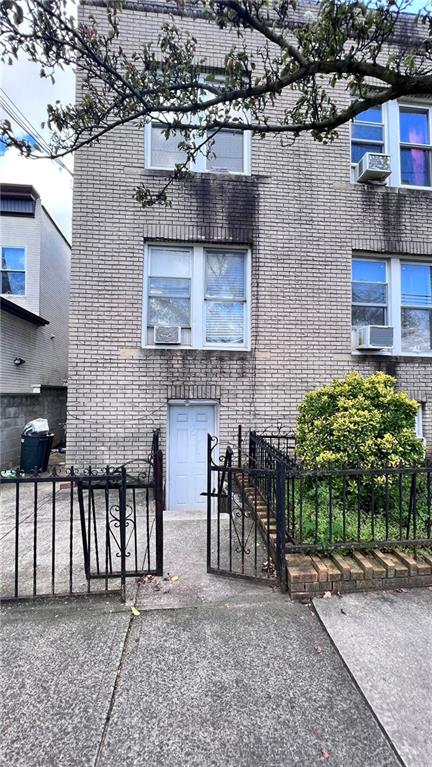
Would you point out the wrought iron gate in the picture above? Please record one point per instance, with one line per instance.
(122, 522)
(71, 532)
(245, 517)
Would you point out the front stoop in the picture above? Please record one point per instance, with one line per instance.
(312, 574)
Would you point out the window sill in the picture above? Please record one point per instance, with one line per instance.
(165, 173)
(404, 191)
(182, 348)
(409, 356)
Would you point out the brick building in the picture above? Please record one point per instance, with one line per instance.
(254, 262)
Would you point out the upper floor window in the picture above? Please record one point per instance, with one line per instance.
(415, 146)
(401, 130)
(13, 271)
(367, 133)
(164, 152)
(398, 293)
(227, 151)
(203, 291)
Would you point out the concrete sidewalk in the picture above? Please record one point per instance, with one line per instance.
(385, 638)
(213, 672)
(247, 681)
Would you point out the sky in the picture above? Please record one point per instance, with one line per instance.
(22, 83)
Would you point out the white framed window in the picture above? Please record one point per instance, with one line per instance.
(369, 292)
(205, 291)
(367, 133)
(416, 307)
(415, 145)
(162, 152)
(228, 151)
(13, 272)
(396, 292)
(418, 426)
(402, 130)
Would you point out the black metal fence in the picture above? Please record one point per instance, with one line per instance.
(82, 532)
(262, 505)
(245, 517)
(349, 508)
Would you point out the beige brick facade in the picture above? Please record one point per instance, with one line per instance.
(302, 218)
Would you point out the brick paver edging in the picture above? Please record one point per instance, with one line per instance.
(311, 574)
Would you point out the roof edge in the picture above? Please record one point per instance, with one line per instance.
(20, 311)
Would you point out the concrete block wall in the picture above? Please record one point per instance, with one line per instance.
(18, 409)
(302, 219)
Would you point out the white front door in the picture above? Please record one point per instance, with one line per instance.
(187, 454)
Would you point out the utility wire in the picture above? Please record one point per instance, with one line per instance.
(17, 116)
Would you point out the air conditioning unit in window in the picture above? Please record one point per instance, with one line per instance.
(373, 166)
(374, 337)
(167, 334)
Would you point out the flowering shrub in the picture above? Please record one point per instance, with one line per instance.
(358, 421)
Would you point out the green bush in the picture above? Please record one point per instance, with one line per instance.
(358, 421)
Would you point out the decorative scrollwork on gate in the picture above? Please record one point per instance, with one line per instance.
(114, 525)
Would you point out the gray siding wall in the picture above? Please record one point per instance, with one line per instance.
(301, 217)
(54, 301)
(48, 275)
(22, 232)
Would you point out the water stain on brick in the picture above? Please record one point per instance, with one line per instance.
(229, 203)
(385, 208)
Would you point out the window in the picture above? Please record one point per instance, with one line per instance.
(402, 130)
(367, 133)
(226, 151)
(416, 309)
(165, 153)
(13, 271)
(204, 291)
(225, 297)
(369, 292)
(418, 426)
(415, 147)
(169, 288)
(395, 292)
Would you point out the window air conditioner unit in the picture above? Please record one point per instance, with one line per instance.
(372, 167)
(167, 334)
(374, 337)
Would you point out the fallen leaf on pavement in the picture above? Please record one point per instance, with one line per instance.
(317, 648)
(174, 578)
(134, 611)
(326, 595)
(343, 611)
(326, 755)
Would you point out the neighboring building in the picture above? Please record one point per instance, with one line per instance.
(35, 273)
(254, 263)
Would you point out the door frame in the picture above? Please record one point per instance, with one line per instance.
(191, 403)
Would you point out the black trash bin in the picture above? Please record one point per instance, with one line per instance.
(35, 452)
